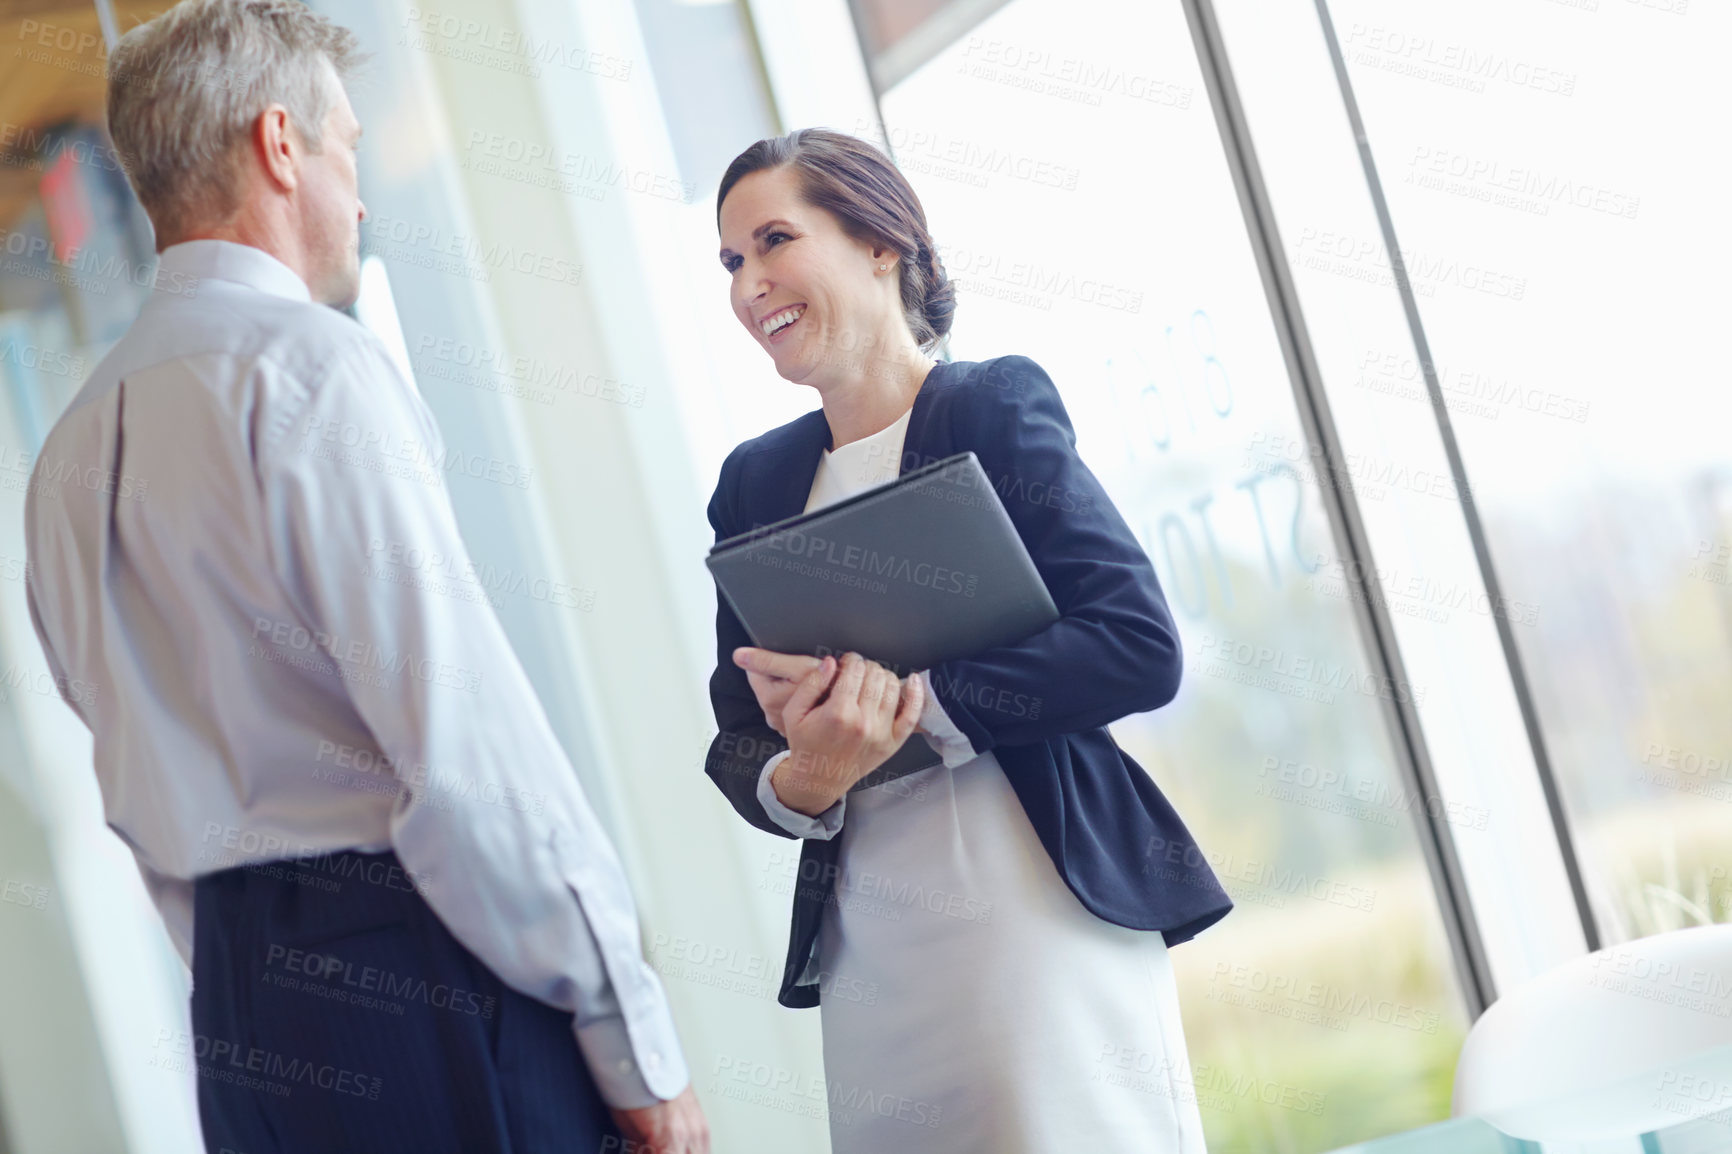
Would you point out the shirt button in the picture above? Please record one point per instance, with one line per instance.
(653, 1062)
(625, 1065)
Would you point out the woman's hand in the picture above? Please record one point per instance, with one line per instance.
(774, 677)
(842, 722)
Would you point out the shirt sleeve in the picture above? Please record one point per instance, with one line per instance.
(515, 862)
(823, 827)
(63, 684)
(942, 734)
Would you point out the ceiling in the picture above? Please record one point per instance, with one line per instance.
(52, 64)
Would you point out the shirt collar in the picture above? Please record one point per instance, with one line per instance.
(894, 431)
(236, 263)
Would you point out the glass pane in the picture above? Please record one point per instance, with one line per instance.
(1564, 138)
(1075, 180)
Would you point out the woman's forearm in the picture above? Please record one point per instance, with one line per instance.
(1077, 675)
(802, 790)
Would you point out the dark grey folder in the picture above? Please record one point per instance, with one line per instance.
(912, 573)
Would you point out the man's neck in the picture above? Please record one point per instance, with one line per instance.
(248, 229)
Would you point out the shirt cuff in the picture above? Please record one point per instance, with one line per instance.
(823, 827)
(941, 732)
(607, 1051)
(631, 1047)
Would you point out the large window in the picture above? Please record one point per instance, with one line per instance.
(1077, 186)
(1563, 142)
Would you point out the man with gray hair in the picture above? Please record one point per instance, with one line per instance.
(406, 927)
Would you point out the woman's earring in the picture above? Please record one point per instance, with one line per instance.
(883, 268)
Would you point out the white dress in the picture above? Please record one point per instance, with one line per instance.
(970, 1002)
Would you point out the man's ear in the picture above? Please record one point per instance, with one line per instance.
(278, 146)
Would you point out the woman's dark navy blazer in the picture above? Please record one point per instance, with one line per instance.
(1040, 705)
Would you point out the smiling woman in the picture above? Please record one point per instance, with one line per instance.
(975, 888)
(791, 216)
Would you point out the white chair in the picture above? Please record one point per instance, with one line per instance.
(1633, 1038)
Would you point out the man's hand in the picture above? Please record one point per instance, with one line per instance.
(676, 1126)
(774, 677)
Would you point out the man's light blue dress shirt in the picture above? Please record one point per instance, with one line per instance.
(232, 536)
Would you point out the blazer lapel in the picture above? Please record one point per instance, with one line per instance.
(784, 475)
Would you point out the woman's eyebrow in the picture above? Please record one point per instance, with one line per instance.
(757, 233)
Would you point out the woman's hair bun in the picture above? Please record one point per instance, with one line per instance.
(940, 303)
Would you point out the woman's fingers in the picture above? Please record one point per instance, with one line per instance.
(806, 694)
(772, 694)
(774, 676)
(764, 685)
(861, 700)
(849, 678)
(873, 713)
(786, 666)
(871, 687)
(887, 690)
(912, 703)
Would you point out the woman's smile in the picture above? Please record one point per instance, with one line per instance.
(775, 326)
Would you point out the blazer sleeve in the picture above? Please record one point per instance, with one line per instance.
(744, 740)
(1114, 650)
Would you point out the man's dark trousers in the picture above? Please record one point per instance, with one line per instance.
(333, 1012)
